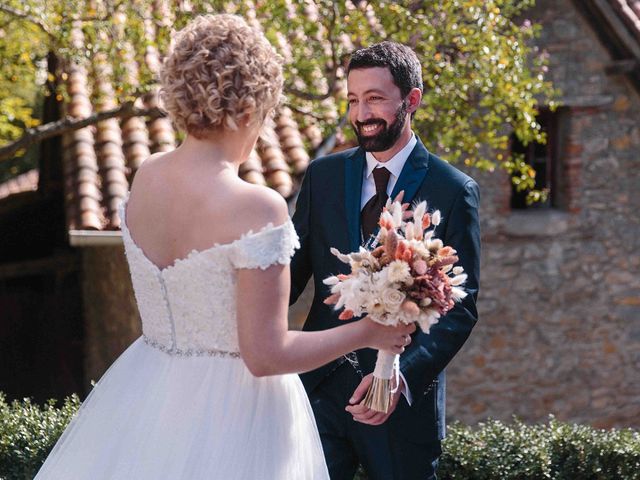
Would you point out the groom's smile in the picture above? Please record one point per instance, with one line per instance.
(371, 128)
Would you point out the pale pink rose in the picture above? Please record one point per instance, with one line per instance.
(392, 299)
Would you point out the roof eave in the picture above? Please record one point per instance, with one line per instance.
(93, 238)
(615, 34)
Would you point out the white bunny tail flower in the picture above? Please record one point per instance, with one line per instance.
(409, 231)
(341, 256)
(386, 217)
(419, 212)
(333, 280)
(397, 216)
(427, 319)
(340, 304)
(424, 325)
(436, 217)
(459, 280)
(458, 294)
(457, 270)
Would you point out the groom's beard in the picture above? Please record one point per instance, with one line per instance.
(387, 137)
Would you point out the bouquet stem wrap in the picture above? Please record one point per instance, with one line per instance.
(385, 382)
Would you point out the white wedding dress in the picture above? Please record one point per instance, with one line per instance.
(180, 403)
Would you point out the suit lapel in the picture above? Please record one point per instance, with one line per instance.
(354, 166)
(413, 173)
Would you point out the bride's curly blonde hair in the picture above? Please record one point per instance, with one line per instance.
(220, 70)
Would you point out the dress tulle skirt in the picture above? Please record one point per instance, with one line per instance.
(157, 416)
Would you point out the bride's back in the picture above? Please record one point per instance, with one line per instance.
(179, 204)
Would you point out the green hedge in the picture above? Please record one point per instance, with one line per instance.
(490, 451)
(28, 432)
(551, 451)
(554, 450)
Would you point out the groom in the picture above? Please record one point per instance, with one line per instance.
(339, 203)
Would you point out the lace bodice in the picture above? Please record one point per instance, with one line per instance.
(189, 308)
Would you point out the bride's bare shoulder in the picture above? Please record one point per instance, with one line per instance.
(257, 206)
(148, 169)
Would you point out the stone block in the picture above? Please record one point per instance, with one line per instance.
(622, 143)
(622, 103)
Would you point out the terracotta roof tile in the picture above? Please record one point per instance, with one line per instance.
(251, 170)
(109, 146)
(24, 182)
(291, 141)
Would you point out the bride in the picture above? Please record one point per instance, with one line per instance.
(209, 391)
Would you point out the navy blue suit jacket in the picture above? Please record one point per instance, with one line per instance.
(328, 215)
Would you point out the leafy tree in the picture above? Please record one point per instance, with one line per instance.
(484, 79)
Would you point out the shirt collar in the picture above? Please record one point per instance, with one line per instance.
(395, 163)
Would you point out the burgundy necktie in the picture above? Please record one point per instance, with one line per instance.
(373, 208)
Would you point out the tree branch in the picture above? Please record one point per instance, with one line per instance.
(333, 76)
(316, 97)
(25, 16)
(306, 113)
(70, 124)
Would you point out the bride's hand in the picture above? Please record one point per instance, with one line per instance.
(391, 339)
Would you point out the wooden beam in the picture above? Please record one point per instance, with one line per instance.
(58, 264)
(614, 34)
(622, 67)
(91, 238)
(613, 19)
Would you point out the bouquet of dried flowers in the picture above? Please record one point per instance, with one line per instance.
(409, 276)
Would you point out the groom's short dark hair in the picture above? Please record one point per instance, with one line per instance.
(401, 61)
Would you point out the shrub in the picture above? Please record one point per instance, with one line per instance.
(553, 451)
(490, 451)
(28, 432)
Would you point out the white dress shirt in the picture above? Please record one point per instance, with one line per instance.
(395, 165)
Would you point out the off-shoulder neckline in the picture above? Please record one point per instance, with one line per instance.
(194, 252)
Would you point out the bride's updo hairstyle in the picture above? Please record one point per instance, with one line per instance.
(220, 72)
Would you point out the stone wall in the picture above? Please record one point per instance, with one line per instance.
(110, 312)
(559, 329)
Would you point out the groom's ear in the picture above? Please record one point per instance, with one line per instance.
(414, 97)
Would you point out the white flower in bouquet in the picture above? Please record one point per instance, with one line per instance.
(399, 272)
(392, 299)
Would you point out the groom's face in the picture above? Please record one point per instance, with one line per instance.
(377, 111)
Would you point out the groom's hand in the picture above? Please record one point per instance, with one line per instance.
(364, 414)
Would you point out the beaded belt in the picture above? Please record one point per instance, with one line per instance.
(192, 352)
